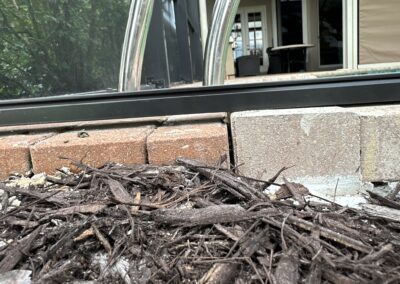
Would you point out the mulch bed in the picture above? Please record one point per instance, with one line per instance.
(191, 223)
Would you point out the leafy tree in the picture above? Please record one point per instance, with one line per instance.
(60, 46)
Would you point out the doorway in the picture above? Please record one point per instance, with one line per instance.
(249, 34)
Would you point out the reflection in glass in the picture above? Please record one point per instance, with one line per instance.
(170, 33)
(58, 47)
(290, 29)
(331, 32)
(236, 37)
(255, 35)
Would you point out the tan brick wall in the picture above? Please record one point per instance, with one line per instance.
(316, 141)
(124, 145)
(205, 142)
(320, 142)
(14, 153)
(380, 142)
(321, 145)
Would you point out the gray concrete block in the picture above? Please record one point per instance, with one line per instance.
(323, 145)
(380, 142)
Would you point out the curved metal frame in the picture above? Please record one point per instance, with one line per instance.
(218, 41)
(137, 28)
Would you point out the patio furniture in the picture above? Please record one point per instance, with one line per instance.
(287, 59)
(275, 62)
(248, 65)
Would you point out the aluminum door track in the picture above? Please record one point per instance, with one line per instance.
(340, 91)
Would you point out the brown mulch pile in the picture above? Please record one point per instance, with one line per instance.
(191, 223)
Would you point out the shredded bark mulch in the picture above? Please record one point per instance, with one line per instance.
(191, 223)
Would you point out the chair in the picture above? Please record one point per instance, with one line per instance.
(248, 65)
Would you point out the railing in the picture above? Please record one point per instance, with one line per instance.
(341, 91)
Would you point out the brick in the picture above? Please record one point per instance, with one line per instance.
(380, 142)
(205, 142)
(14, 153)
(124, 145)
(323, 145)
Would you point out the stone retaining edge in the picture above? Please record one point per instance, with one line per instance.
(203, 137)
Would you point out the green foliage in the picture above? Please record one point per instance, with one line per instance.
(60, 46)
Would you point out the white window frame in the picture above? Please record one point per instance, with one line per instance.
(350, 34)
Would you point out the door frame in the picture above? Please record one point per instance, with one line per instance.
(243, 11)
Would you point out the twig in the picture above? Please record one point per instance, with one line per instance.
(24, 207)
(275, 177)
(102, 239)
(256, 223)
(334, 193)
(284, 246)
(327, 233)
(393, 194)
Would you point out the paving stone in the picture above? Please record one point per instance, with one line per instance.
(124, 145)
(323, 145)
(205, 142)
(380, 142)
(14, 153)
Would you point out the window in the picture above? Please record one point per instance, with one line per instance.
(330, 32)
(290, 22)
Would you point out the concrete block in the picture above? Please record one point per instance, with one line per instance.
(14, 153)
(323, 145)
(380, 142)
(124, 145)
(205, 142)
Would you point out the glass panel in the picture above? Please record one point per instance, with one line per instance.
(170, 32)
(290, 19)
(58, 47)
(236, 38)
(331, 32)
(255, 35)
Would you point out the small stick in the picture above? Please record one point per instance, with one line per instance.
(242, 236)
(275, 177)
(284, 246)
(393, 194)
(332, 235)
(334, 194)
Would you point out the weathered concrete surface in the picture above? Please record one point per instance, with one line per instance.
(14, 153)
(380, 142)
(323, 145)
(124, 145)
(205, 142)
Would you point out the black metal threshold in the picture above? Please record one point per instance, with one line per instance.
(338, 91)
